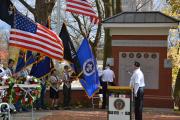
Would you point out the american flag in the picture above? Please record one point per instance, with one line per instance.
(82, 7)
(35, 37)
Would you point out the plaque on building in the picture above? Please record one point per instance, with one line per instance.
(149, 65)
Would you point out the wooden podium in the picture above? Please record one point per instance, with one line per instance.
(119, 103)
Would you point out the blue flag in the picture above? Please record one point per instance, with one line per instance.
(25, 59)
(42, 67)
(21, 61)
(31, 58)
(89, 67)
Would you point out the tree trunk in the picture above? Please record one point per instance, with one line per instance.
(108, 13)
(108, 8)
(177, 90)
(98, 32)
(42, 10)
(118, 6)
(107, 47)
(85, 32)
(114, 6)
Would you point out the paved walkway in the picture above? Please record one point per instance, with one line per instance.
(160, 114)
(90, 114)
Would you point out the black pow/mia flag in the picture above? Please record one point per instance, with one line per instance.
(6, 11)
(70, 53)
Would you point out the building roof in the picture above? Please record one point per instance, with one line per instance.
(141, 17)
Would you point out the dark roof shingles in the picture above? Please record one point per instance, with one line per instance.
(140, 17)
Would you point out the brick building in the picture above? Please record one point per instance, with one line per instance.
(142, 36)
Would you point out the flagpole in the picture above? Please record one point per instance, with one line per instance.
(58, 17)
(80, 74)
(58, 27)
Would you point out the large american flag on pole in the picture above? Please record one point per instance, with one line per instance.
(32, 36)
(82, 7)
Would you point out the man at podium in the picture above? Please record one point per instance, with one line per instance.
(137, 83)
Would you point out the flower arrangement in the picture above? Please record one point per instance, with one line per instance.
(25, 95)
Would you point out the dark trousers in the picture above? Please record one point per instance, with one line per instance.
(43, 92)
(104, 92)
(139, 104)
(67, 95)
(40, 101)
(101, 84)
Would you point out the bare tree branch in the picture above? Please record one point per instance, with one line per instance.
(75, 29)
(51, 5)
(84, 26)
(32, 10)
(158, 6)
(79, 24)
(102, 8)
(98, 33)
(143, 5)
(139, 2)
(75, 39)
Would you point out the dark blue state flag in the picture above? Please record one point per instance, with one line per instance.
(21, 61)
(25, 59)
(42, 67)
(89, 67)
(30, 58)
